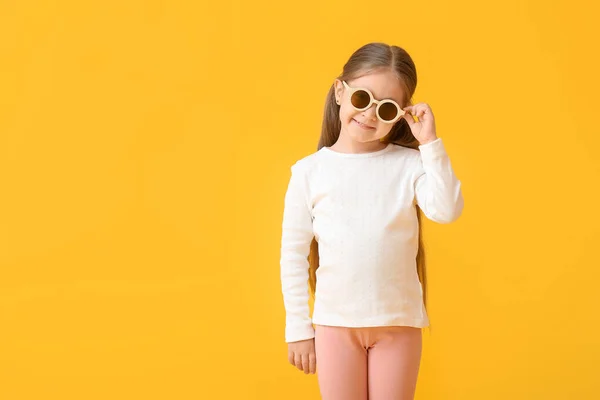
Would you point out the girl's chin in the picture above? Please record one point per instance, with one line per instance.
(363, 138)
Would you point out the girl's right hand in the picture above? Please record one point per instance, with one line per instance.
(301, 354)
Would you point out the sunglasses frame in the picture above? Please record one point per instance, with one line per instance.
(372, 100)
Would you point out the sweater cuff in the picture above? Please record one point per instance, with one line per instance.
(297, 333)
(432, 150)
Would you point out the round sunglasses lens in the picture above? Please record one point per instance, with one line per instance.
(360, 99)
(388, 111)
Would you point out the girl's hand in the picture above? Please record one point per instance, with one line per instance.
(424, 129)
(301, 354)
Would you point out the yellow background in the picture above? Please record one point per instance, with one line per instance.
(145, 149)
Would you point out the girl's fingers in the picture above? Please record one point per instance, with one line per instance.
(417, 110)
(411, 111)
(312, 363)
(305, 363)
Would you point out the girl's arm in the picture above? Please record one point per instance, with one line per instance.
(437, 190)
(296, 237)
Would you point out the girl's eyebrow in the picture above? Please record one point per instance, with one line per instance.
(382, 98)
(389, 97)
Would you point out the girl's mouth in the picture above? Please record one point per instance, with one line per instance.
(366, 127)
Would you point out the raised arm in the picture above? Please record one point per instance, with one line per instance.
(437, 189)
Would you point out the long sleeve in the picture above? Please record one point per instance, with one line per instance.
(297, 234)
(437, 189)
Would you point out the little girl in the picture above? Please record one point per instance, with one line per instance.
(351, 231)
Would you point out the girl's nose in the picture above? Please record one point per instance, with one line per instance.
(371, 112)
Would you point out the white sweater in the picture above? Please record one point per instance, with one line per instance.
(361, 210)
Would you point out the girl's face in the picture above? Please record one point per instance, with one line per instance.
(364, 126)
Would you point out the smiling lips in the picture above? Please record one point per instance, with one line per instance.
(362, 125)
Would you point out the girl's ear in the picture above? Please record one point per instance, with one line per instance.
(339, 88)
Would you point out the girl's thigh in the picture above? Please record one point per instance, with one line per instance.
(341, 363)
(394, 360)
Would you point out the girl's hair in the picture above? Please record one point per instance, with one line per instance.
(373, 57)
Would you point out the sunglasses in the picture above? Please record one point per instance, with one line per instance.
(388, 111)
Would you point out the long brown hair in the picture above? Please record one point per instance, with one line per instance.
(370, 58)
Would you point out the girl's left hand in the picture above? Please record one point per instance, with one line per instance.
(424, 129)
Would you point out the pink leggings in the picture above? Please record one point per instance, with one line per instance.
(374, 363)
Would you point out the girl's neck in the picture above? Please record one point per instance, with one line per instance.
(353, 147)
